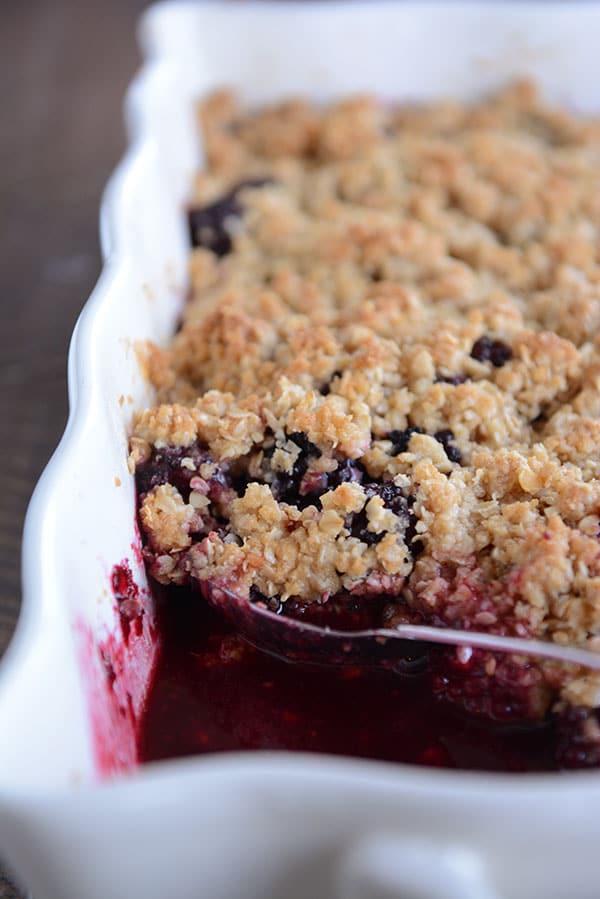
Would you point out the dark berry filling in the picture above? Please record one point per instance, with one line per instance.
(179, 466)
(392, 496)
(401, 439)
(289, 488)
(214, 692)
(360, 530)
(307, 449)
(394, 500)
(446, 438)
(326, 388)
(165, 466)
(208, 224)
(347, 471)
(486, 349)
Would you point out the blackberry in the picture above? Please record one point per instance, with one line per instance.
(393, 499)
(359, 529)
(347, 471)
(286, 487)
(392, 496)
(307, 448)
(446, 438)
(486, 349)
(401, 439)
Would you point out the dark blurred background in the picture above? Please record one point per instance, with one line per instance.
(64, 67)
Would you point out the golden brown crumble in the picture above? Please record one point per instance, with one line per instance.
(397, 274)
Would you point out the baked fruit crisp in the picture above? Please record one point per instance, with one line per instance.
(384, 397)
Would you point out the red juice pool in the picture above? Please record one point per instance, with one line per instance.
(214, 692)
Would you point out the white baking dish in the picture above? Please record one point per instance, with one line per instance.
(254, 825)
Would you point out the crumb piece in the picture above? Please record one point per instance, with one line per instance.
(166, 426)
(166, 519)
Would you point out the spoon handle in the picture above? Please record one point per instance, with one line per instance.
(477, 640)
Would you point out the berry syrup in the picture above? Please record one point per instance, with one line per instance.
(214, 692)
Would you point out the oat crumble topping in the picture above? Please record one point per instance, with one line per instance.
(387, 379)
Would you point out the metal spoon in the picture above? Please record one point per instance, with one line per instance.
(406, 644)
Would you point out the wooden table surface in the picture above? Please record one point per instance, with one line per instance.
(64, 66)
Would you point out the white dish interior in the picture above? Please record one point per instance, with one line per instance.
(57, 824)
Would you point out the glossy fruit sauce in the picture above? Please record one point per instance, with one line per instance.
(214, 692)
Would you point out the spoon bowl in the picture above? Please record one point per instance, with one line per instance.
(403, 647)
